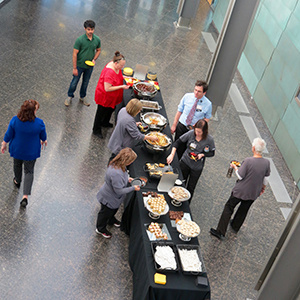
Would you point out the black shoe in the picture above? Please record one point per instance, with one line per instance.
(217, 234)
(17, 184)
(236, 231)
(24, 202)
(105, 233)
(108, 125)
(117, 223)
(98, 134)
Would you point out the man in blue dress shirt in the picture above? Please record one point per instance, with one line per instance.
(192, 107)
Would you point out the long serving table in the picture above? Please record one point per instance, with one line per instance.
(135, 216)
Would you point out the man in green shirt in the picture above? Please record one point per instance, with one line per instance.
(86, 48)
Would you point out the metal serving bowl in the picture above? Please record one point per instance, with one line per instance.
(157, 148)
(144, 90)
(154, 120)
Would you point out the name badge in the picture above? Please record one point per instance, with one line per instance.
(199, 107)
(193, 146)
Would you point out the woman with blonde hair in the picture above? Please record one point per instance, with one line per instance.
(114, 190)
(126, 131)
(26, 135)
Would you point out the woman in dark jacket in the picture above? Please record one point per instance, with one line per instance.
(114, 190)
(26, 135)
(199, 146)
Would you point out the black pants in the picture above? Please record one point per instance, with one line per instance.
(106, 216)
(102, 117)
(239, 216)
(180, 130)
(191, 177)
(28, 172)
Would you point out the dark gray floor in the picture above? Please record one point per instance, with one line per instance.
(51, 251)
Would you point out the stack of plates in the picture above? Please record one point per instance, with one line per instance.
(127, 71)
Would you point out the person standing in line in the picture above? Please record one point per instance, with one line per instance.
(109, 92)
(250, 185)
(26, 135)
(199, 145)
(126, 131)
(86, 47)
(114, 191)
(192, 107)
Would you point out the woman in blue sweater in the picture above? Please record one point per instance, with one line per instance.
(114, 190)
(26, 135)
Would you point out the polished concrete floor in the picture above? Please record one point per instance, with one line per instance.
(50, 250)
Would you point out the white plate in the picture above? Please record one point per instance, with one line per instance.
(178, 227)
(171, 194)
(149, 208)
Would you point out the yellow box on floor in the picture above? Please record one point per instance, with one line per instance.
(160, 278)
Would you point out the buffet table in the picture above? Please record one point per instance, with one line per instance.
(135, 216)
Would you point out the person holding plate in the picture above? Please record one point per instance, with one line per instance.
(109, 92)
(114, 191)
(199, 145)
(86, 50)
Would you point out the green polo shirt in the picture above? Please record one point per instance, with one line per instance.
(86, 49)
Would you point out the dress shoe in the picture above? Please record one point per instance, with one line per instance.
(216, 233)
(16, 184)
(24, 202)
(98, 134)
(108, 125)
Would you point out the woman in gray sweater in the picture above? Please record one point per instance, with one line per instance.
(114, 190)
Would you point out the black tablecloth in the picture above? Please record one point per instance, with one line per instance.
(135, 216)
(178, 286)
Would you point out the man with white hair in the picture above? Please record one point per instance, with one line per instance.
(250, 185)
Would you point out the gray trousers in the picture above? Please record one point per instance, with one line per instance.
(28, 173)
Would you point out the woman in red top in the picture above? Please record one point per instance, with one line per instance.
(109, 92)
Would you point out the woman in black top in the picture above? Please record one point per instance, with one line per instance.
(199, 146)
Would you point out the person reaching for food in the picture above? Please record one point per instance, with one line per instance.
(199, 146)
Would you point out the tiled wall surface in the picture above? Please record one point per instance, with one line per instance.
(270, 67)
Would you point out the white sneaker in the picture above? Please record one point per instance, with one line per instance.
(83, 100)
(68, 101)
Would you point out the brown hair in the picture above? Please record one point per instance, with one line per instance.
(134, 106)
(202, 124)
(118, 56)
(27, 110)
(203, 84)
(125, 157)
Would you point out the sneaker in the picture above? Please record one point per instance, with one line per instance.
(105, 234)
(117, 223)
(216, 233)
(84, 101)
(24, 202)
(68, 101)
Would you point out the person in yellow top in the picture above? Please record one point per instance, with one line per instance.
(86, 47)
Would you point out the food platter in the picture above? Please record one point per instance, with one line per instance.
(144, 90)
(154, 120)
(187, 229)
(156, 205)
(178, 195)
(156, 170)
(150, 105)
(190, 259)
(163, 235)
(165, 256)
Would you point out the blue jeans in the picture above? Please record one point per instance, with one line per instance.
(85, 81)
